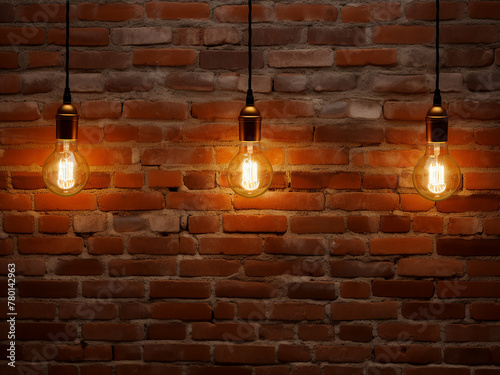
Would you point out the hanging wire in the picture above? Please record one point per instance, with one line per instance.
(67, 93)
(250, 98)
(437, 92)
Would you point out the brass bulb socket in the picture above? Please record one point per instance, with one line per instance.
(67, 122)
(436, 124)
(250, 123)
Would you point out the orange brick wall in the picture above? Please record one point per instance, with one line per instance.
(340, 269)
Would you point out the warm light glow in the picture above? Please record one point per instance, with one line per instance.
(65, 180)
(250, 169)
(65, 171)
(250, 173)
(436, 175)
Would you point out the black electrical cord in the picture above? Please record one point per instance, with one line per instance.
(67, 93)
(250, 98)
(437, 92)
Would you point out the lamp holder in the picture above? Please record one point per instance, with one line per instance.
(250, 124)
(67, 122)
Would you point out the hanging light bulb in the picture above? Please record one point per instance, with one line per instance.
(66, 172)
(250, 173)
(436, 175)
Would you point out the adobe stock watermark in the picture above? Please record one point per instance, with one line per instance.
(11, 314)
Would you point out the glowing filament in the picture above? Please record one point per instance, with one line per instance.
(436, 174)
(249, 179)
(65, 178)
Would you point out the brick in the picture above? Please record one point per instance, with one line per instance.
(395, 224)
(141, 35)
(464, 289)
(403, 288)
(79, 36)
(8, 60)
(230, 245)
(486, 136)
(19, 223)
(335, 156)
(128, 223)
(164, 224)
(363, 224)
(324, 81)
(36, 310)
(160, 178)
(208, 267)
(317, 224)
(474, 57)
(342, 354)
(484, 110)
(113, 289)
(335, 109)
(10, 84)
(402, 84)
(408, 245)
(239, 13)
(274, 36)
(89, 223)
(492, 225)
(203, 224)
(464, 225)
(291, 311)
(483, 268)
(318, 290)
(6, 246)
(364, 201)
(471, 333)
(126, 369)
(177, 10)
(129, 180)
(46, 331)
(343, 134)
(287, 267)
(258, 224)
(293, 353)
(430, 268)
(86, 311)
(79, 267)
(366, 109)
(352, 36)
(155, 110)
(405, 111)
(229, 60)
(112, 331)
(179, 289)
(14, 36)
(48, 288)
(131, 201)
(397, 34)
(416, 354)
(154, 245)
(39, 59)
(28, 267)
(105, 245)
(415, 202)
(361, 57)
(244, 289)
(354, 289)
(355, 332)
(364, 310)
(403, 331)
(129, 81)
(263, 354)
(160, 331)
(484, 311)
(200, 180)
(433, 310)
(282, 201)
(356, 268)
(190, 81)
(468, 34)
(50, 245)
(295, 246)
(300, 58)
(98, 353)
(163, 267)
(290, 82)
(222, 331)
(100, 60)
(164, 57)
(467, 355)
(199, 201)
(372, 12)
(305, 12)
(184, 311)
(220, 36)
(25, 111)
(285, 108)
(427, 11)
(483, 9)
(276, 332)
(340, 246)
(109, 12)
(175, 155)
(438, 370)
(473, 203)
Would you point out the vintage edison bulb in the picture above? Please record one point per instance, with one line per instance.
(65, 171)
(436, 175)
(250, 173)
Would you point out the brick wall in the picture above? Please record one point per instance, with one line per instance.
(340, 269)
